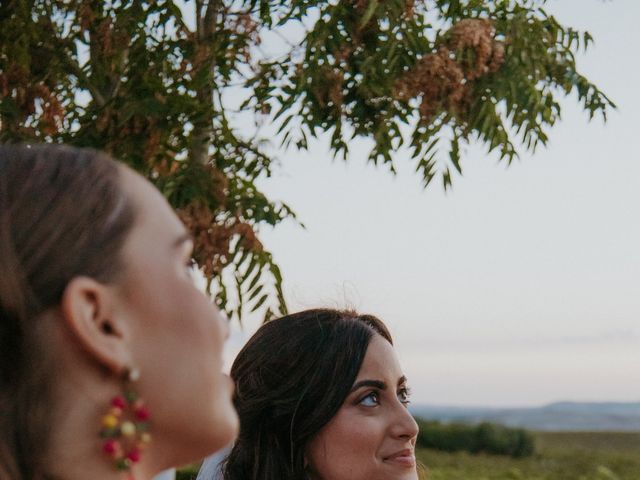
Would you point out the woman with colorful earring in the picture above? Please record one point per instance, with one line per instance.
(111, 358)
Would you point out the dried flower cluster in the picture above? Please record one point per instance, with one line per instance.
(478, 35)
(439, 79)
(108, 38)
(28, 96)
(362, 5)
(329, 92)
(213, 238)
(85, 15)
(244, 25)
(444, 79)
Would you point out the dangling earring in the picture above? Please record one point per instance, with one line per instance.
(125, 427)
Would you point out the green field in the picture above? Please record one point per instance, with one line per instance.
(560, 456)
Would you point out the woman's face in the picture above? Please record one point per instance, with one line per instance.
(177, 334)
(373, 436)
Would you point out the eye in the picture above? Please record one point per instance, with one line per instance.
(190, 266)
(404, 395)
(370, 400)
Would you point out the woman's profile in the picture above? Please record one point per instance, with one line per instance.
(320, 395)
(101, 326)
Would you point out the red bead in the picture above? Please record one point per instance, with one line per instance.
(134, 455)
(119, 402)
(142, 413)
(111, 447)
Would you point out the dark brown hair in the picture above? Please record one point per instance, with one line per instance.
(291, 378)
(62, 214)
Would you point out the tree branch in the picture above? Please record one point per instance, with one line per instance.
(76, 69)
(201, 135)
(210, 17)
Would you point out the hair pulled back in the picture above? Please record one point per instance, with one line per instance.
(291, 378)
(62, 214)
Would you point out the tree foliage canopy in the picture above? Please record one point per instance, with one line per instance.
(147, 81)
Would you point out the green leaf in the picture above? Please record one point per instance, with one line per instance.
(368, 13)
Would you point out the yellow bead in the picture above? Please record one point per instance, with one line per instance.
(128, 429)
(109, 421)
(145, 437)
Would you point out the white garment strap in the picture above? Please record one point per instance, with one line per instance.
(166, 475)
(211, 468)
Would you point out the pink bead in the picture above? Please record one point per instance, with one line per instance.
(111, 447)
(116, 411)
(142, 413)
(134, 455)
(119, 402)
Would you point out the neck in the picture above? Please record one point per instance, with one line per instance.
(81, 397)
(75, 446)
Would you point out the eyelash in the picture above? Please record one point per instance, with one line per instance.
(189, 266)
(403, 395)
(406, 395)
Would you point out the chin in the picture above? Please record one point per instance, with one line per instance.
(401, 474)
(226, 428)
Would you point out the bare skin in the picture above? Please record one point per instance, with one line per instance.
(373, 435)
(152, 318)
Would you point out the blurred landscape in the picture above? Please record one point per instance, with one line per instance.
(559, 456)
(571, 441)
(555, 417)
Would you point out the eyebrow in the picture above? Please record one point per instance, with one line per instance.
(379, 384)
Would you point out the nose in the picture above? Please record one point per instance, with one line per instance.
(404, 425)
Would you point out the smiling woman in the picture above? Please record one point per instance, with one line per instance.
(372, 436)
(321, 395)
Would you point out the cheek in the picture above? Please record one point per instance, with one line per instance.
(179, 336)
(180, 358)
(175, 311)
(347, 447)
(193, 336)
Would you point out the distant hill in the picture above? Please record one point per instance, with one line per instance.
(561, 416)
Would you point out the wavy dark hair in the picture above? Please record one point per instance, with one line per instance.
(291, 378)
(62, 214)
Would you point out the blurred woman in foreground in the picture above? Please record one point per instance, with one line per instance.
(101, 327)
(320, 395)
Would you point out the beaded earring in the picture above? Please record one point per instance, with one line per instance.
(125, 427)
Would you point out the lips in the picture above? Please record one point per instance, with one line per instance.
(404, 458)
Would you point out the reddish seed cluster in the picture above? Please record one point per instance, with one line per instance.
(213, 237)
(444, 79)
(125, 430)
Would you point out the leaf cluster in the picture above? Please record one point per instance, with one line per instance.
(151, 82)
(134, 79)
(347, 74)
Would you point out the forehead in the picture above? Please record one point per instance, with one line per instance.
(380, 362)
(155, 219)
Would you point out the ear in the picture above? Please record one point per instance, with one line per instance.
(87, 308)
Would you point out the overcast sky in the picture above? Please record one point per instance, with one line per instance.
(521, 286)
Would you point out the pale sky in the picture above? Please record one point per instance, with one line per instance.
(521, 286)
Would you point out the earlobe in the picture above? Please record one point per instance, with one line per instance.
(87, 309)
